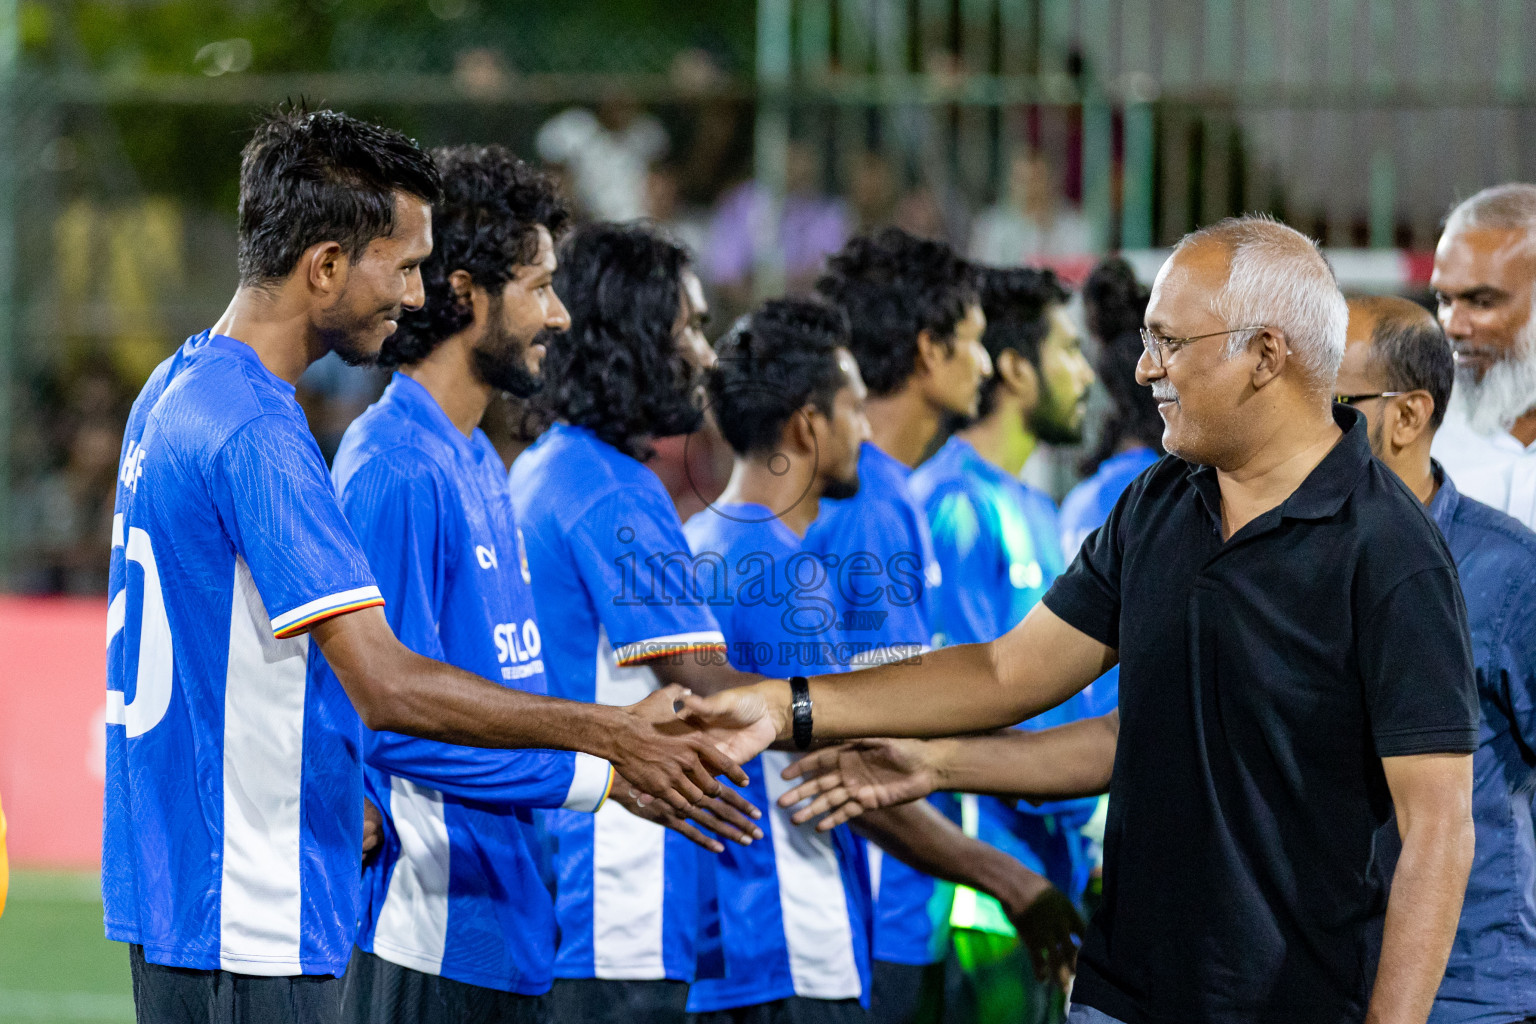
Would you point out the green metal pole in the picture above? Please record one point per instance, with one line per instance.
(771, 141)
(1137, 183)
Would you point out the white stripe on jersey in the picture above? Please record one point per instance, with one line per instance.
(662, 645)
(321, 604)
(263, 778)
(811, 897)
(413, 925)
(628, 866)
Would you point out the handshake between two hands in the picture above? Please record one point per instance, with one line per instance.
(841, 782)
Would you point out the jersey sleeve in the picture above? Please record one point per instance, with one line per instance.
(630, 551)
(566, 779)
(395, 503)
(280, 512)
(1421, 697)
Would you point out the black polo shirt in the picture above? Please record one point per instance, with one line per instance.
(1262, 679)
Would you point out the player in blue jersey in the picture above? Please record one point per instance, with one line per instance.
(599, 529)
(233, 813)
(457, 925)
(794, 915)
(997, 542)
(916, 332)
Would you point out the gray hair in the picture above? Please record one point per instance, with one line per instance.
(1278, 278)
(1511, 206)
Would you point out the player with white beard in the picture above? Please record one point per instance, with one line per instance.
(1485, 287)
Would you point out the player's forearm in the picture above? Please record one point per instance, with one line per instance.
(1072, 760)
(437, 701)
(1422, 914)
(919, 836)
(940, 693)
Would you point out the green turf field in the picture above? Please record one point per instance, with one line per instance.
(55, 964)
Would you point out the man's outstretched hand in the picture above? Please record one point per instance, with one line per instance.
(1050, 930)
(844, 781)
(668, 757)
(740, 721)
(730, 816)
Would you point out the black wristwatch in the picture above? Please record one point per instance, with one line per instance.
(800, 711)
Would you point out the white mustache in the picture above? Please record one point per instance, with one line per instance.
(1163, 392)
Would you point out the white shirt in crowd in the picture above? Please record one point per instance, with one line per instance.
(1495, 469)
(607, 168)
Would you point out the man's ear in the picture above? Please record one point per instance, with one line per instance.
(462, 286)
(931, 353)
(325, 268)
(1273, 351)
(801, 435)
(1019, 376)
(1411, 414)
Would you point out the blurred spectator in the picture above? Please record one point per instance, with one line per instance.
(606, 155)
(65, 525)
(922, 212)
(684, 224)
(872, 191)
(810, 227)
(1032, 225)
(63, 514)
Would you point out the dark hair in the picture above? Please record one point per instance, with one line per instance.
(618, 371)
(893, 286)
(319, 176)
(771, 363)
(486, 223)
(1114, 305)
(1410, 351)
(1017, 302)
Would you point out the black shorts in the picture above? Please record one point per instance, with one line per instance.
(794, 1010)
(907, 993)
(182, 995)
(376, 991)
(599, 1001)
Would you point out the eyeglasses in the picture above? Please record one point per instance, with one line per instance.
(1160, 348)
(1355, 399)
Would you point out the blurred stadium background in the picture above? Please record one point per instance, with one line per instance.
(1044, 131)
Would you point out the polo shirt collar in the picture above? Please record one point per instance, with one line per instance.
(1442, 507)
(1324, 490)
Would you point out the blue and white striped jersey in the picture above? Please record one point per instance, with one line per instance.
(233, 808)
(608, 551)
(877, 548)
(455, 889)
(793, 909)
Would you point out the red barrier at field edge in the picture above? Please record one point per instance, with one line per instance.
(53, 669)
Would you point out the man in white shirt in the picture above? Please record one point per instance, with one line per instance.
(1485, 286)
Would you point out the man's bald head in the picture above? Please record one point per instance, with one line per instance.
(1507, 207)
(1404, 348)
(1277, 277)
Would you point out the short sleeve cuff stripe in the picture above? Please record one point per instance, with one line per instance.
(293, 622)
(590, 785)
(663, 646)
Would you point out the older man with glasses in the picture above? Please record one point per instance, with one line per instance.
(1295, 666)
